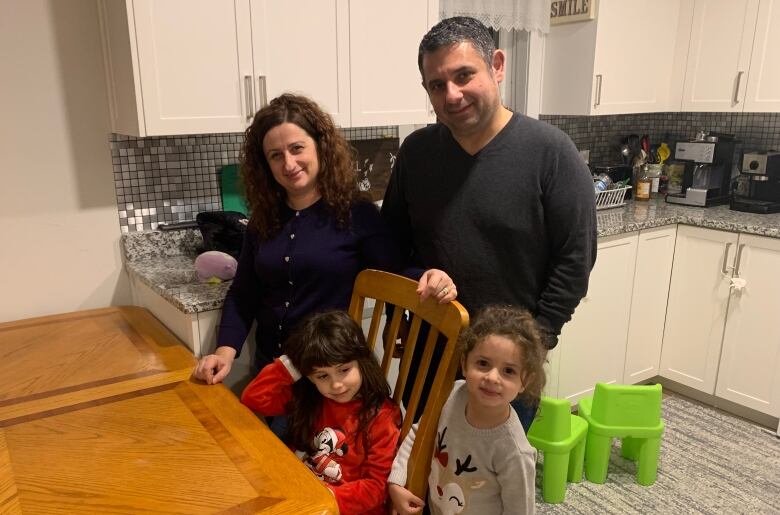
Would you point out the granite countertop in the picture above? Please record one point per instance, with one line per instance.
(637, 215)
(164, 261)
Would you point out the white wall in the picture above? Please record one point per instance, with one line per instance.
(59, 232)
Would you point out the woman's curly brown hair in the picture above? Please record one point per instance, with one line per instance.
(519, 326)
(336, 181)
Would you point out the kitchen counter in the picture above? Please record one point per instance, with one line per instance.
(638, 215)
(164, 261)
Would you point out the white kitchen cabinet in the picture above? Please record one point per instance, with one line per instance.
(552, 370)
(749, 372)
(303, 54)
(732, 55)
(655, 254)
(385, 82)
(592, 345)
(364, 72)
(206, 66)
(621, 62)
(177, 66)
(696, 310)
(721, 39)
(762, 91)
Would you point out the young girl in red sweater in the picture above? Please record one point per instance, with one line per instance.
(342, 421)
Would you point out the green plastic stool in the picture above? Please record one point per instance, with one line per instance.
(561, 437)
(631, 413)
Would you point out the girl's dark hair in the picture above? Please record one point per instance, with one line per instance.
(336, 181)
(325, 340)
(519, 326)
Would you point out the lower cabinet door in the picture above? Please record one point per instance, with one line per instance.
(696, 311)
(654, 257)
(749, 372)
(592, 345)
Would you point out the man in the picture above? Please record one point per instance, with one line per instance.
(502, 202)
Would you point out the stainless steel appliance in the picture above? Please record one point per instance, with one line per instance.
(707, 175)
(757, 188)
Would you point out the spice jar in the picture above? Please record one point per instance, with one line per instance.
(654, 172)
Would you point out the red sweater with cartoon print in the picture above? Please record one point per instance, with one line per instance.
(356, 475)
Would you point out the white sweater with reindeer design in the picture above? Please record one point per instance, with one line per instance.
(475, 471)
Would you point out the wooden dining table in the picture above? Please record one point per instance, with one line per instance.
(99, 414)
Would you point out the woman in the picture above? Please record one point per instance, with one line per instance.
(309, 235)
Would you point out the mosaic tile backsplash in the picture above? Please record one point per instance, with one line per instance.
(172, 179)
(161, 180)
(603, 135)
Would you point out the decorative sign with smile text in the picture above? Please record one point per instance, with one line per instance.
(566, 11)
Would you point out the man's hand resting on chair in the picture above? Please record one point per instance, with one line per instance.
(438, 285)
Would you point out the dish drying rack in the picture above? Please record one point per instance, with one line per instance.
(611, 198)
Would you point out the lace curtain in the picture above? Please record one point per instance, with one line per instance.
(530, 15)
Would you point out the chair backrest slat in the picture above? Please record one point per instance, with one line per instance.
(446, 321)
(406, 357)
(376, 318)
(390, 339)
(627, 405)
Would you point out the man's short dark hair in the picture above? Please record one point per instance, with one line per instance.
(458, 29)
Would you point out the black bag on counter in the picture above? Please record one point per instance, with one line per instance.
(222, 231)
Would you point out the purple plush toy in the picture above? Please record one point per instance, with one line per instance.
(214, 266)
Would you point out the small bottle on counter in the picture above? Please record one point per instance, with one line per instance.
(603, 182)
(654, 172)
(644, 185)
(663, 184)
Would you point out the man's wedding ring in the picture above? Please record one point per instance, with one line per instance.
(444, 291)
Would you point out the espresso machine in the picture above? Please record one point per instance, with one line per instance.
(707, 175)
(757, 188)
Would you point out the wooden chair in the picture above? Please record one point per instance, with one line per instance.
(445, 319)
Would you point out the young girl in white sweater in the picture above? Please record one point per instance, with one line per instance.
(482, 461)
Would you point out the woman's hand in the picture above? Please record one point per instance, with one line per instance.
(404, 501)
(436, 284)
(213, 368)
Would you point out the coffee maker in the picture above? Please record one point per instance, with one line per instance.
(757, 188)
(707, 175)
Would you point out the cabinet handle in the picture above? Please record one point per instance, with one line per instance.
(248, 96)
(739, 258)
(598, 91)
(724, 268)
(736, 89)
(263, 91)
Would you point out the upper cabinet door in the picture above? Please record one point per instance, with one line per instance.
(302, 47)
(719, 54)
(385, 81)
(621, 62)
(632, 67)
(763, 84)
(195, 64)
